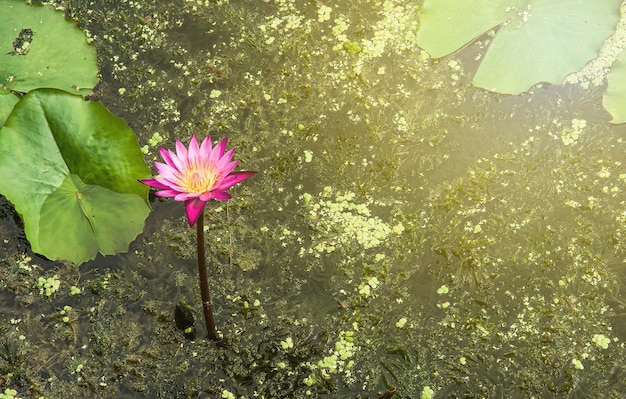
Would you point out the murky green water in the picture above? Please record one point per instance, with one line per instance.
(405, 229)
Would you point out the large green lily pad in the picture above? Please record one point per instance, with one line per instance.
(614, 97)
(7, 101)
(40, 48)
(536, 40)
(70, 168)
(447, 25)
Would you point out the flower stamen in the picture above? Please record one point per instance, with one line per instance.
(200, 179)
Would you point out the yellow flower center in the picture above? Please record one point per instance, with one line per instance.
(198, 179)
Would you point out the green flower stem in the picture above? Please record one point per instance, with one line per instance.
(204, 284)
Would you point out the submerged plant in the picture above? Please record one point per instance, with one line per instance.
(194, 176)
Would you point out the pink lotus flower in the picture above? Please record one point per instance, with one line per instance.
(196, 175)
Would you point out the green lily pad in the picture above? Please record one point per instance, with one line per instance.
(96, 218)
(536, 41)
(70, 168)
(447, 25)
(39, 48)
(614, 97)
(7, 101)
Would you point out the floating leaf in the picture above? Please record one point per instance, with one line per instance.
(614, 97)
(447, 25)
(537, 41)
(7, 101)
(39, 48)
(89, 218)
(70, 168)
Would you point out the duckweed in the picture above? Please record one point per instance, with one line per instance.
(287, 343)
(9, 394)
(578, 365)
(340, 221)
(226, 394)
(339, 360)
(427, 393)
(570, 136)
(401, 323)
(48, 286)
(601, 341)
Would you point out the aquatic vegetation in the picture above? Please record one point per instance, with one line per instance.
(153, 141)
(34, 53)
(339, 360)
(427, 163)
(614, 97)
(9, 394)
(401, 323)
(601, 341)
(226, 394)
(73, 188)
(443, 290)
(540, 42)
(194, 176)
(427, 393)
(287, 343)
(48, 286)
(578, 364)
(71, 170)
(571, 135)
(506, 69)
(340, 221)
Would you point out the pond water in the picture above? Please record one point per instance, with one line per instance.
(404, 230)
